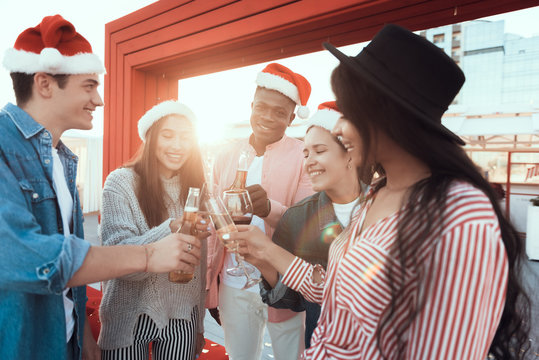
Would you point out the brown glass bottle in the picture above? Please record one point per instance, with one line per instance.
(241, 173)
(187, 227)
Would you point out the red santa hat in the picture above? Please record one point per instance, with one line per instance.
(161, 110)
(326, 116)
(280, 78)
(54, 47)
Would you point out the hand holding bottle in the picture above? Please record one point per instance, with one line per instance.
(175, 251)
(202, 226)
(175, 224)
(259, 198)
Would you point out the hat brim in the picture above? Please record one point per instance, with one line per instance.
(373, 80)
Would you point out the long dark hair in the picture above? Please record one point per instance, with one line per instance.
(370, 111)
(149, 187)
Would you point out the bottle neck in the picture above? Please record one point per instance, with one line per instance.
(239, 181)
(193, 199)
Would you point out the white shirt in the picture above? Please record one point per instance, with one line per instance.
(65, 202)
(254, 176)
(343, 211)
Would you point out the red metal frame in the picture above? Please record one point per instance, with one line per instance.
(508, 185)
(149, 50)
(508, 180)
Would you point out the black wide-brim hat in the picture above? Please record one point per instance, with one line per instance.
(410, 70)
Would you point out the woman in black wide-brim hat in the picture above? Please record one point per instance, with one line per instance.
(429, 266)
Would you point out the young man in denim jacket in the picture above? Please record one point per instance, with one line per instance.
(44, 262)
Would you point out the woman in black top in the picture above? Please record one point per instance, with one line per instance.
(308, 227)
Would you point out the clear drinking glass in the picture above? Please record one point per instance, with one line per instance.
(224, 225)
(238, 204)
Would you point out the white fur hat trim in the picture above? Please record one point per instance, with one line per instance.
(161, 110)
(51, 61)
(277, 83)
(324, 118)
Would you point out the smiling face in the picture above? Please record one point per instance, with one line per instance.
(326, 161)
(75, 102)
(175, 142)
(271, 114)
(350, 138)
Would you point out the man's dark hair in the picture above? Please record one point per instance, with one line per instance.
(22, 85)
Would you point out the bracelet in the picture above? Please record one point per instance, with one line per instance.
(147, 257)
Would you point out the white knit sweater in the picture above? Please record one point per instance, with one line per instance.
(122, 222)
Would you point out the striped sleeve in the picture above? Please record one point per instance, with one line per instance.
(299, 277)
(363, 283)
(467, 295)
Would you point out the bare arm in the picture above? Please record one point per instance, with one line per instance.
(170, 253)
(257, 248)
(266, 269)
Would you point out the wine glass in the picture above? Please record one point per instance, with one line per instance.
(224, 225)
(238, 204)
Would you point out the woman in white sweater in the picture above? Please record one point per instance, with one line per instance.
(142, 203)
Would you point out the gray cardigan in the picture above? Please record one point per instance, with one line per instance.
(124, 299)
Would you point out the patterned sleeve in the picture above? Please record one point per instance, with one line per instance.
(299, 277)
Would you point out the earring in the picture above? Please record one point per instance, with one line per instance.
(349, 166)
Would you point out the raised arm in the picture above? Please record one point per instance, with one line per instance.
(257, 247)
(273, 291)
(109, 262)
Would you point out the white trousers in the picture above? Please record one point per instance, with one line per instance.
(244, 317)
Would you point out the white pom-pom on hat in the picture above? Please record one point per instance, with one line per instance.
(161, 110)
(303, 112)
(50, 58)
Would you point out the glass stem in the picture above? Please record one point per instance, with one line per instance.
(240, 259)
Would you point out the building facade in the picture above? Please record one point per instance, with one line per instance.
(502, 69)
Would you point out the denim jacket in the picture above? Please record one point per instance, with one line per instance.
(306, 230)
(36, 260)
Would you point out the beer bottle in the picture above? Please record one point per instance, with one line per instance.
(241, 173)
(187, 227)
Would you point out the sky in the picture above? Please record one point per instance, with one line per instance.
(211, 97)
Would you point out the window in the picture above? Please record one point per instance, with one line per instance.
(440, 38)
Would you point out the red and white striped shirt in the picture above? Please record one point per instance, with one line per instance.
(462, 306)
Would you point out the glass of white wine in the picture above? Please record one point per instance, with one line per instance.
(224, 225)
